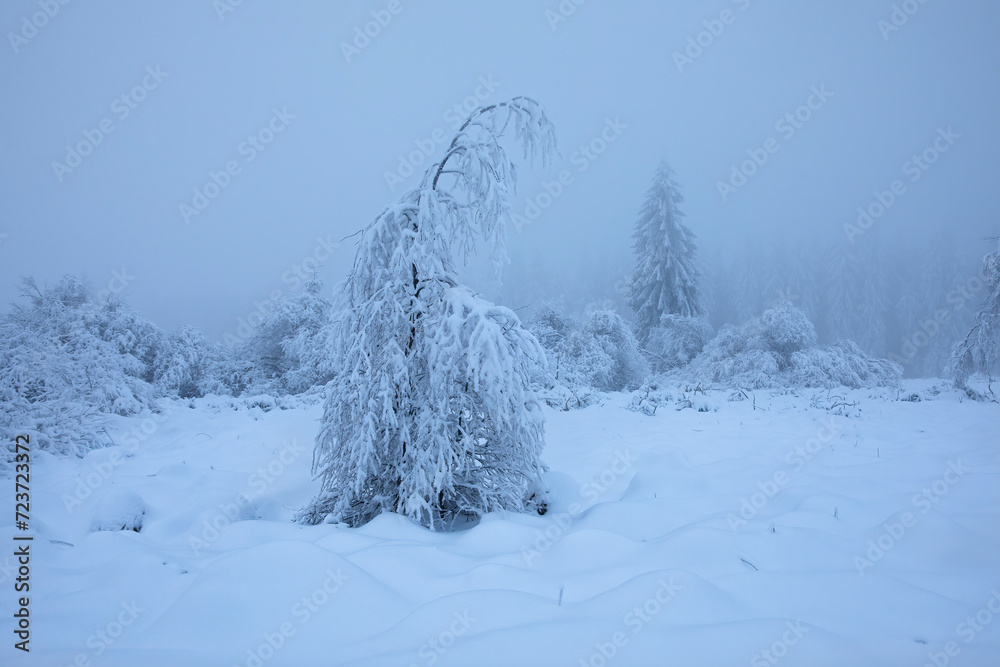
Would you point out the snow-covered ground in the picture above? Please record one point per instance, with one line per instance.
(756, 532)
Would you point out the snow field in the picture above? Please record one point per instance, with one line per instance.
(774, 533)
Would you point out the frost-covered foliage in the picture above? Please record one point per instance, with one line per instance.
(600, 354)
(784, 330)
(130, 333)
(677, 341)
(65, 361)
(430, 411)
(282, 356)
(979, 351)
(841, 364)
(778, 349)
(651, 396)
(666, 279)
(188, 366)
(622, 366)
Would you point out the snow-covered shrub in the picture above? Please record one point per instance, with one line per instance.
(650, 396)
(600, 354)
(188, 366)
(841, 364)
(550, 327)
(65, 361)
(581, 361)
(430, 412)
(559, 382)
(281, 356)
(778, 349)
(217, 403)
(612, 336)
(677, 341)
(131, 333)
(785, 329)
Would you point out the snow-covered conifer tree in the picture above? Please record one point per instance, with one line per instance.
(430, 412)
(666, 279)
(979, 351)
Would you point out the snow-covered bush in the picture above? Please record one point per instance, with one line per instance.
(677, 341)
(430, 411)
(188, 366)
(651, 396)
(550, 327)
(282, 356)
(778, 349)
(785, 329)
(841, 364)
(600, 354)
(612, 336)
(65, 361)
(130, 332)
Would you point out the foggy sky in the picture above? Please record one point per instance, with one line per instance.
(208, 83)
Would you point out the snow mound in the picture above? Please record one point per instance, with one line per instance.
(120, 509)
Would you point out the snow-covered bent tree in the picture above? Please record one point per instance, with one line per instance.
(430, 412)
